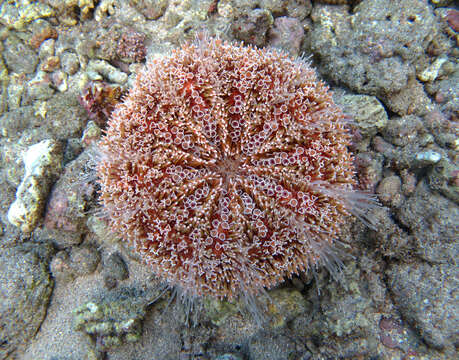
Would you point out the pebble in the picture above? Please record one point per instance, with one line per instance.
(431, 73)
(100, 69)
(43, 163)
(428, 157)
(115, 269)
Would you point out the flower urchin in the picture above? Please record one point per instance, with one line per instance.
(227, 167)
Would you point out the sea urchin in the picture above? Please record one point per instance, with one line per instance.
(227, 167)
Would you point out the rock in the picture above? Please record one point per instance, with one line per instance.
(444, 177)
(100, 69)
(42, 163)
(426, 295)
(367, 113)
(431, 72)
(61, 267)
(372, 49)
(432, 220)
(67, 11)
(287, 34)
(401, 131)
(115, 269)
(286, 305)
(151, 9)
(19, 58)
(70, 63)
(252, 27)
(229, 356)
(39, 88)
(84, 259)
(389, 191)
(273, 347)
(25, 291)
(112, 321)
(18, 16)
(59, 80)
(412, 99)
(70, 198)
(46, 49)
(426, 158)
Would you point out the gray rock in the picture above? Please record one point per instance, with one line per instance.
(19, 57)
(114, 320)
(66, 217)
(404, 130)
(432, 219)
(42, 163)
(99, 69)
(115, 269)
(366, 112)
(252, 27)
(444, 177)
(46, 49)
(272, 346)
(229, 356)
(25, 291)
(151, 9)
(61, 267)
(390, 191)
(84, 259)
(373, 49)
(39, 88)
(287, 34)
(426, 296)
(412, 99)
(17, 16)
(70, 63)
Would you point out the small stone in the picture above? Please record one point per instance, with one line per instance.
(46, 49)
(99, 69)
(287, 34)
(229, 356)
(60, 80)
(84, 259)
(151, 9)
(50, 64)
(61, 267)
(19, 57)
(402, 131)
(252, 28)
(16, 17)
(444, 177)
(367, 113)
(115, 269)
(428, 157)
(42, 162)
(39, 87)
(91, 134)
(431, 73)
(389, 191)
(409, 182)
(412, 99)
(70, 63)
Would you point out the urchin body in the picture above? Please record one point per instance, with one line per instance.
(222, 167)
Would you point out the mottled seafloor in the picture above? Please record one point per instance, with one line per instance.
(71, 290)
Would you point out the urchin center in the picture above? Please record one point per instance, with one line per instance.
(229, 168)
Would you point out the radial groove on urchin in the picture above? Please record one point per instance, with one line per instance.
(223, 165)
